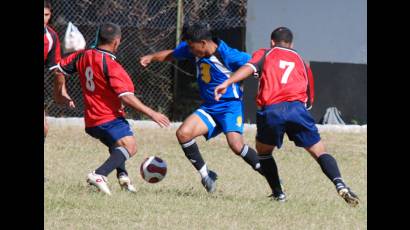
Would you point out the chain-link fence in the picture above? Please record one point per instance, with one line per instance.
(147, 26)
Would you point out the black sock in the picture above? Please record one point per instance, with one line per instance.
(117, 157)
(120, 169)
(329, 167)
(192, 153)
(270, 171)
(250, 157)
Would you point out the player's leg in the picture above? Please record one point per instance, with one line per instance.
(192, 127)
(248, 154)
(269, 134)
(303, 131)
(329, 166)
(270, 170)
(117, 135)
(231, 122)
(45, 127)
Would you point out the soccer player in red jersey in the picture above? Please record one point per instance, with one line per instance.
(52, 53)
(106, 86)
(282, 98)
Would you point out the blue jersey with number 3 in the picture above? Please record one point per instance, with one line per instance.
(214, 70)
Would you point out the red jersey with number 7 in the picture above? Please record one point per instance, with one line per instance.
(283, 76)
(103, 81)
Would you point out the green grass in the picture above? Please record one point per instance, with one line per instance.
(180, 201)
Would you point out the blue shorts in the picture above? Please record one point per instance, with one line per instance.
(110, 132)
(292, 118)
(224, 116)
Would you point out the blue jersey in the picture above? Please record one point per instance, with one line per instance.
(212, 71)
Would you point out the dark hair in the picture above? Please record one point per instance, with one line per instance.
(282, 34)
(47, 4)
(108, 32)
(197, 31)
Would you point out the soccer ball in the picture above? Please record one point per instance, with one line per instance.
(153, 169)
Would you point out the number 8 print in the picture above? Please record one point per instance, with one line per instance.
(89, 84)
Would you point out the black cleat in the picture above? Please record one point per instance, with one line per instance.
(281, 197)
(347, 194)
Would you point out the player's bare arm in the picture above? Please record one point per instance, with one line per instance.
(60, 91)
(133, 102)
(161, 56)
(239, 75)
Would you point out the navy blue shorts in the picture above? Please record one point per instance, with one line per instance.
(292, 118)
(110, 132)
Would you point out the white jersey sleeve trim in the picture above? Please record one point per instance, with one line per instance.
(252, 66)
(61, 69)
(125, 93)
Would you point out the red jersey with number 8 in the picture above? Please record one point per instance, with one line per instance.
(283, 76)
(103, 81)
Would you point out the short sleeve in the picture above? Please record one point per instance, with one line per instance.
(182, 52)
(68, 65)
(238, 59)
(119, 79)
(257, 60)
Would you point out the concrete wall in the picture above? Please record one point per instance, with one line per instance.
(332, 35)
(324, 30)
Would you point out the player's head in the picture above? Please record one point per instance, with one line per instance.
(199, 37)
(109, 34)
(282, 36)
(47, 12)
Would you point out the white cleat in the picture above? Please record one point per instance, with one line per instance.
(99, 181)
(125, 183)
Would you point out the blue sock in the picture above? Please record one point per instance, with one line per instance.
(121, 170)
(117, 157)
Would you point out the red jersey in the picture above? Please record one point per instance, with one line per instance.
(103, 81)
(283, 76)
(52, 51)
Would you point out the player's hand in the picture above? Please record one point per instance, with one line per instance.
(71, 104)
(146, 60)
(160, 119)
(220, 90)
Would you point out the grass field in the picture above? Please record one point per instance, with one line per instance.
(180, 201)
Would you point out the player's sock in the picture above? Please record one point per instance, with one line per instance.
(120, 169)
(270, 171)
(250, 157)
(117, 157)
(330, 168)
(191, 151)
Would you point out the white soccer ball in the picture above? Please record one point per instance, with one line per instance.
(153, 169)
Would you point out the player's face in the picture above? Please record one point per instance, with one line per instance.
(198, 49)
(47, 15)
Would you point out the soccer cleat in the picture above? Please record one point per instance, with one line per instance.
(345, 192)
(281, 197)
(98, 181)
(125, 183)
(209, 182)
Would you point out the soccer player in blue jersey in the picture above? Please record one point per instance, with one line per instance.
(215, 61)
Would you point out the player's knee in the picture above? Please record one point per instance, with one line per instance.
(236, 147)
(183, 134)
(132, 150)
(264, 150)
